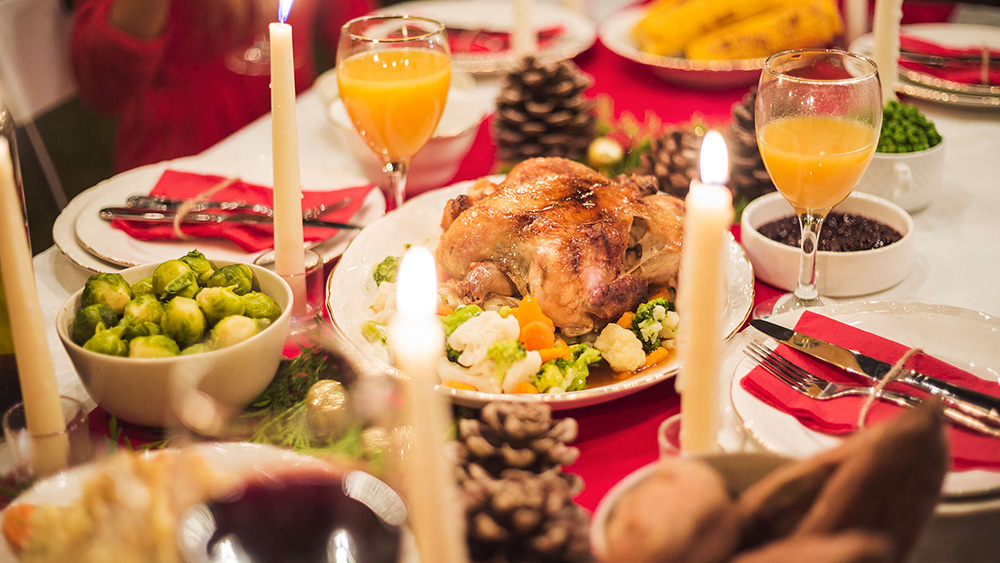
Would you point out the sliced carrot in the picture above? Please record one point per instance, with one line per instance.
(458, 385)
(654, 357)
(664, 293)
(526, 388)
(558, 350)
(529, 311)
(625, 321)
(444, 310)
(17, 524)
(537, 335)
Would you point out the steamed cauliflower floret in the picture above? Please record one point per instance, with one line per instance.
(670, 322)
(384, 302)
(479, 376)
(522, 370)
(474, 337)
(620, 347)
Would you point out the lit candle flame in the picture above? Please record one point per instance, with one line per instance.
(416, 290)
(714, 159)
(284, 7)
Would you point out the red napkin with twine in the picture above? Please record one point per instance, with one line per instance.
(483, 41)
(964, 71)
(251, 238)
(969, 449)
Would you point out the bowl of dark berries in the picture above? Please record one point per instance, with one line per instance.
(908, 165)
(865, 245)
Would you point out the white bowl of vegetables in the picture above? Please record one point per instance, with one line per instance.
(142, 338)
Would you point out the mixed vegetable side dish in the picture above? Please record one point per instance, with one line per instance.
(501, 348)
(187, 306)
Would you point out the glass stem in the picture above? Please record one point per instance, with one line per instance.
(805, 290)
(396, 188)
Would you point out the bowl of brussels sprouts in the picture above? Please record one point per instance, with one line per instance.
(140, 336)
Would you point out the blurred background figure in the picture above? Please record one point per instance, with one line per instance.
(181, 75)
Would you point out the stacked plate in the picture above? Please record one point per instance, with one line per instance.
(932, 88)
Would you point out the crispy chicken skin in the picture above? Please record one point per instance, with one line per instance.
(588, 248)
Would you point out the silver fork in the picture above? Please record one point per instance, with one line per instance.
(816, 387)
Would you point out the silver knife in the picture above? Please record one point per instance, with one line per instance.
(136, 214)
(979, 405)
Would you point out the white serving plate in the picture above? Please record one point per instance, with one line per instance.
(498, 16)
(616, 34)
(351, 289)
(99, 239)
(967, 339)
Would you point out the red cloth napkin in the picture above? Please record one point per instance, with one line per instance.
(969, 450)
(482, 41)
(251, 238)
(966, 72)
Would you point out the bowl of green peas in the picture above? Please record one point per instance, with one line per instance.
(908, 166)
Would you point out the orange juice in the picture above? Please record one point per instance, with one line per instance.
(395, 97)
(815, 161)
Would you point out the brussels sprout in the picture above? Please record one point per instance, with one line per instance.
(199, 265)
(134, 328)
(199, 348)
(239, 277)
(145, 308)
(155, 346)
(91, 319)
(108, 342)
(218, 303)
(174, 278)
(107, 289)
(235, 329)
(259, 306)
(142, 287)
(183, 321)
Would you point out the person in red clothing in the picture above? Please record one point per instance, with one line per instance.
(160, 66)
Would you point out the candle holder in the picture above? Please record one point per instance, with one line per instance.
(24, 446)
(303, 317)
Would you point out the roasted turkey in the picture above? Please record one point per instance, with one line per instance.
(587, 247)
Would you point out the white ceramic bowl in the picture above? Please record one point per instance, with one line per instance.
(910, 179)
(840, 274)
(140, 390)
(437, 162)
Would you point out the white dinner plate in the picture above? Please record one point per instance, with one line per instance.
(616, 34)
(64, 236)
(498, 16)
(229, 458)
(351, 290)
(931, 88)
(101, 240)
(966, 339)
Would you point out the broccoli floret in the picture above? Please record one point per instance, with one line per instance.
(564, 374)
(648, 322)
(374, 332)
(458, 317)
(504, 353)
(386, 270)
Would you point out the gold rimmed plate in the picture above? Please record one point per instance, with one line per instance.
(351, 290)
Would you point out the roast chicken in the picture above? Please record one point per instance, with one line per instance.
(587, 247)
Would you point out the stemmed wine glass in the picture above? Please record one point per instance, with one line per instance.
(818, 116)
(394, 72)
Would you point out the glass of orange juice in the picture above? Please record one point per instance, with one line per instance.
(818, 116)
(394, 72)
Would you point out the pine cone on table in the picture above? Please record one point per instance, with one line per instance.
(747, 176)
(673, 158)
(518, 501)
(541, 111)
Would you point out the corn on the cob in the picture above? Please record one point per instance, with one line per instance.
(810, 24)
(666, 30)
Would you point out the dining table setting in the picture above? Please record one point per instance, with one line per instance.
(676, 280)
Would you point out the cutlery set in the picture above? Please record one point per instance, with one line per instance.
(972, 409)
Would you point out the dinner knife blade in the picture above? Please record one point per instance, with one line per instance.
(974, 403)
(135, 214)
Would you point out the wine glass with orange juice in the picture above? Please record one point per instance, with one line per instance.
(394, 72)
(818, 116)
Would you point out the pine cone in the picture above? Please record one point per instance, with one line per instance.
(518, 501)
(673, 158)
(541, 111)
(747, 176)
